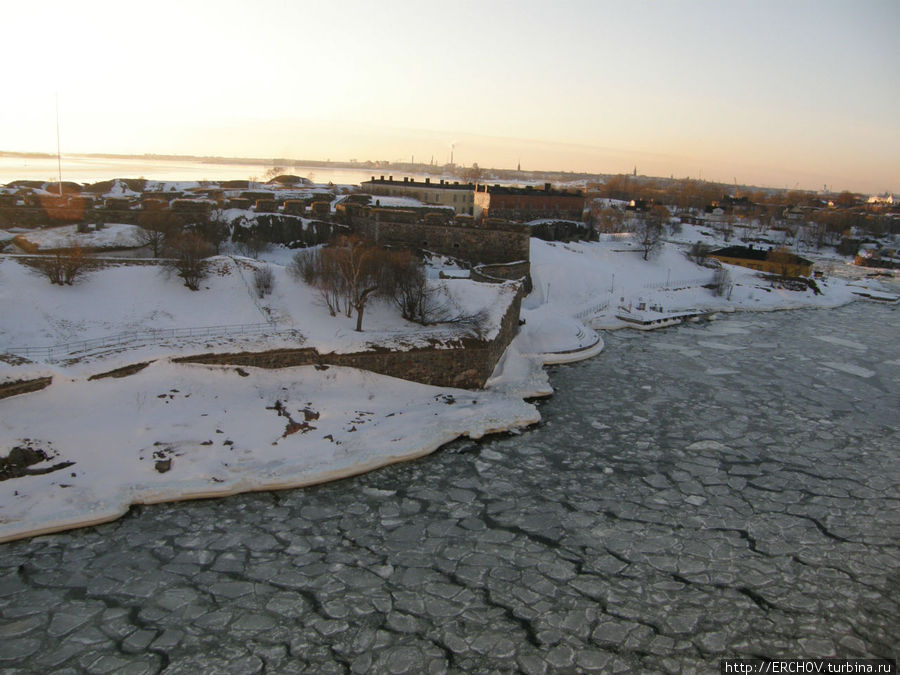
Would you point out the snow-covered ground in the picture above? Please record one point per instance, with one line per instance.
(387, 201)
(126, 298)
(111, 236)
(592, 280)
(217, 431)
(220, 426)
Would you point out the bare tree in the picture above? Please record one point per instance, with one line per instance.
(699, 252)
(263, 281)
(405, 282)
(472, 174)
(721, 283)
(674, 226)
(791, 227)
(316, 269)
(248, 238)
(252, 245)
(74, 261)
(359, 263)
(156, 225)
(273, 172)
(188, 252)
(727, 228)
(213, 227)
(845, 200)
(63, 267)
(350, 271)
(648, 232)
(608, 220)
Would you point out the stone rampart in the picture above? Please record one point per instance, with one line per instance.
(466, 364)
(8, 389)
(501, 272)
(474, 243)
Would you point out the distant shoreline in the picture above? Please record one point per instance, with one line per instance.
(250, 161)
(287, 163)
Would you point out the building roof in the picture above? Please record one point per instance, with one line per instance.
(413, 183)
(750, 253)
(530, 191)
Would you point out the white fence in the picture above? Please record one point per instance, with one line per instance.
(593, 309)
(137, 338)
(680, 283)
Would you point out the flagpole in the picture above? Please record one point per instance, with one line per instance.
(58, 156)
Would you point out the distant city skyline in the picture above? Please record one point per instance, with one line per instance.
(777, 94)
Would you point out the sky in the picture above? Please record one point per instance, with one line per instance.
(782, 94)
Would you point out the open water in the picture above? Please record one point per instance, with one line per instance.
(718, 489)
(94, 169)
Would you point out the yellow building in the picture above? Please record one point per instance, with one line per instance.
(460, 196)
(774, 261)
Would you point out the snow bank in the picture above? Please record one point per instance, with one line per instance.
(182, 432)
(111, 236)
(114, 300)
(592, 280)
(120, 299)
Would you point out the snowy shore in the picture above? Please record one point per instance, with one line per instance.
(172, 432)
(175, 431)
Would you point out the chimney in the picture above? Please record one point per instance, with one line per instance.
(427, 180)
(391, 178)
(405, 179)
(382, 177)
(547, 187)
(373, 179)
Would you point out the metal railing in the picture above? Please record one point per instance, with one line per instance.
(679, 283)
(141, 337)
(593, 309)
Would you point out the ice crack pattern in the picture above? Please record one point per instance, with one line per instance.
(678, 504)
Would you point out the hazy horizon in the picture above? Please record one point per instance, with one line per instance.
(772, 94)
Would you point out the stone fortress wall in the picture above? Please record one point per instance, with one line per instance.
(498, 252)
(466, 364)
(491, 241)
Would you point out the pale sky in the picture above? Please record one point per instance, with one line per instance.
(769, 93)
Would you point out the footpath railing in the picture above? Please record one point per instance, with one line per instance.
(136, 338)
(679, 283)
(593, 309)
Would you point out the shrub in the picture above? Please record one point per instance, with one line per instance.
(263, 281)
(188, 252)
(721, 282)
(64, 267)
